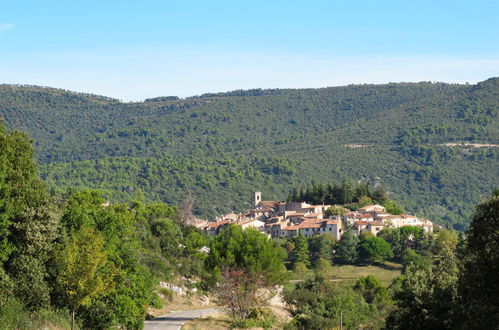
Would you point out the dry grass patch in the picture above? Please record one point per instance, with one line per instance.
(216, 321)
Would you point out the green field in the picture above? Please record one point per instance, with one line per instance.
(386, 273)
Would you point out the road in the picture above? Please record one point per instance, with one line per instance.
(175, 320)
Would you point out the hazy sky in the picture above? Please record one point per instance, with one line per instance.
(137, 49)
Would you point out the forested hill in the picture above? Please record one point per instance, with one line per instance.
(221, 147)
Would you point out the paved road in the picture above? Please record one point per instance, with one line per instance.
(175, 320)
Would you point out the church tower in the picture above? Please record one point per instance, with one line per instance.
(258, 197)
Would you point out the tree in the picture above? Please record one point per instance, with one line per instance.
(300, 268)
(242, 262)
(301, 251)
(427, 297)
(335, 210)
(380, 195)
(373, 291)
(346, 192)
(133, 284)
(29, 221)
(445, 238)
(321, 247)
(365, 200)
(392, 207)
(375, 249)
(478, 286)
(323, 267)
(410, 257)
(347, 247)
(84, 272)
(320, 304)
(406, 237)
(20, 185)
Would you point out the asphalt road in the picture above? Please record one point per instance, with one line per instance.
(175, 320)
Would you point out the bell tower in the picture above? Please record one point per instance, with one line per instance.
(258, 197)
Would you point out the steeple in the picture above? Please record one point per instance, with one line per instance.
(258, 197)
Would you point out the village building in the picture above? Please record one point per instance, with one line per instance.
(289, 219)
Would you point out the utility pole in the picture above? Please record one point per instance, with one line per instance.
(341, 320)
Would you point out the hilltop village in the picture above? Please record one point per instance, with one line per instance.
(288, 219)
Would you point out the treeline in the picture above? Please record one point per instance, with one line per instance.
(334, 194)
(81, 256)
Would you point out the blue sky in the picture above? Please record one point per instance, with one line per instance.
(133, 50)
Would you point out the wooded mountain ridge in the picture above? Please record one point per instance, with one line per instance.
(221, 147)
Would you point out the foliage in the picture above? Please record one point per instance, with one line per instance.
(133, 288)
(427, 297)
(320, 304)
(300, 253)
(347, 248)
(321, 247)
(375, 249)
(323, 267)
(365, 200)
(478, 286)
(300, 268)
(20, 186)
(64, 255)
(84, 272)
(393, 208)
(411, 258)
(257, 318)
(14, 315)
(445, 239)
(408, 237)
(335, 210)
(373, 291)
(242, 262)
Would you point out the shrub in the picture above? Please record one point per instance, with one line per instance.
(258, 317)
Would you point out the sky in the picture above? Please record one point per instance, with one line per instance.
(132, 50)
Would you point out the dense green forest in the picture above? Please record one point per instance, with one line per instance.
(219, 148)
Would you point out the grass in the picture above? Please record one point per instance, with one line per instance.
(386, 272)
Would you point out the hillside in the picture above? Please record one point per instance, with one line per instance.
(221, 147)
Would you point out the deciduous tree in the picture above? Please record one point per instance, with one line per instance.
(84, 271)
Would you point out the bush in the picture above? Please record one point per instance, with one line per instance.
(300, 268)
(323, 267)
(258, 317)
(7, 288)
(14, 315)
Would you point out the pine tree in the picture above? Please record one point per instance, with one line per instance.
(301, 251)
(347, 247)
